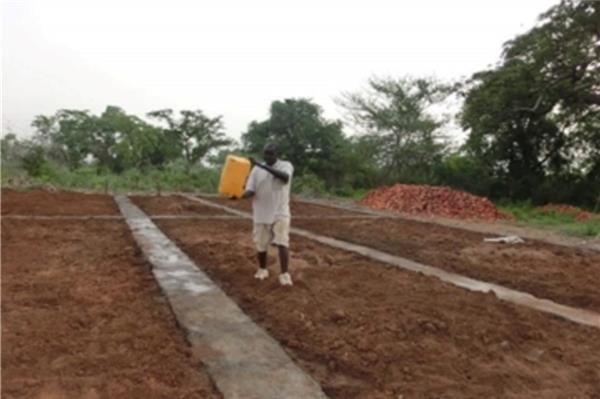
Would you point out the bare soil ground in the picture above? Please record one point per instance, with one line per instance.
(503, 227)
(81, 314)
(173, 205)
(297, 208)
(365, 330)
(565, 275)
(40, 202)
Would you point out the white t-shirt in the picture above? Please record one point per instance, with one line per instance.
(271, 195)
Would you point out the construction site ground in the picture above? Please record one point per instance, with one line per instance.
(82, 315)
(561, 273)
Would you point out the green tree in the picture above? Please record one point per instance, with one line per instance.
(537, 114)
(194, 133)
(67, 135)
(123, 141)
(147, 146)
(109, 128)
(7, 145)
(312, 143)
(394, 114)
(465, 172)
(34, 160)
(47, 134)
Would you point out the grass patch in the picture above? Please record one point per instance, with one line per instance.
(527, 215)
(171, 178)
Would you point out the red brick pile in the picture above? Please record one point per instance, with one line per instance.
(431, 201)
(578, 213)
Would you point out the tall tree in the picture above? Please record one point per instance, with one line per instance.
(195, 133)
(73, 138)
(394, 113)
(7, 146)
(312, 143)
(123, 141)
(537, 114)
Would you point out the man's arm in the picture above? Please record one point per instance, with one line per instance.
(283, 176)
(247, 194)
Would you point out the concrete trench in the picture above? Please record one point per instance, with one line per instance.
(576, 315)
(554, 239)
(170, 217)
(242, 359)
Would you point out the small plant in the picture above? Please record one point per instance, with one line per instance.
(33, 161)
(309, 184)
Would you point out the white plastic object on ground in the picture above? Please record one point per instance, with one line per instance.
(506, 240)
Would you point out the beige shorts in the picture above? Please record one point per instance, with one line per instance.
(277, 233)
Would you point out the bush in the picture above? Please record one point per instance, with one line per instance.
(33, 161)
(172, 177)
(464, 172)
(308, 184)
(527, 214)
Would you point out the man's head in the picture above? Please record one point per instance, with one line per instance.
(270, 153)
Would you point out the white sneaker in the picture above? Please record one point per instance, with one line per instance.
(285, 279)
(261, 274)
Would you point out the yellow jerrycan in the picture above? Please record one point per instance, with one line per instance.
(233, 176)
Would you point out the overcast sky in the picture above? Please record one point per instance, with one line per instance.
(233, 58)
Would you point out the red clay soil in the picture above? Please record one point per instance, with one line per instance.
(297, 208)
(83, 318)
(431, 201)
(565, 275)
(173, 205)
(562, 274)
(364, 330)
(40, 202)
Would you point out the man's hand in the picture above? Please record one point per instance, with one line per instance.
(233, 197)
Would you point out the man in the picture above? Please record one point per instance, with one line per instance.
(269, 186)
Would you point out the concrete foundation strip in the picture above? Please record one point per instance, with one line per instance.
(236, 217)
(200, 217)
(242, 359)
(503, 230)
(168, 217)
(580, 316)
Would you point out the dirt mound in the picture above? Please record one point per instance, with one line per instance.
(571, 210)
(431, 201)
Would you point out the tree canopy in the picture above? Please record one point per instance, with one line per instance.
(536, 115)
(311, 142)
(394, 114)
(118, 141)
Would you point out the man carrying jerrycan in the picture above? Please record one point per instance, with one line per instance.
(269, 186)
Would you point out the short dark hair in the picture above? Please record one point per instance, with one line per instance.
(271, 147)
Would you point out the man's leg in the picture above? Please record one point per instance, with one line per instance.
(262, 237)
(262, 260)
(284, 258)
(281, 238)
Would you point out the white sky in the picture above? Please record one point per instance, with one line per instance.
(233, 58)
